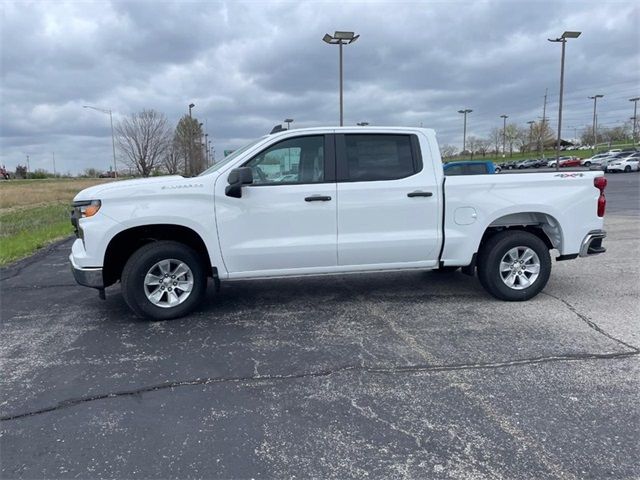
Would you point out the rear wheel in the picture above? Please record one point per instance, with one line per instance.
(514, 265)
(587, 164)
(627, 169)
(163, 280)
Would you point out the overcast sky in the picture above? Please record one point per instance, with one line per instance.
(249, 65)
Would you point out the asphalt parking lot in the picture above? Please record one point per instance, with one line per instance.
(402, 375)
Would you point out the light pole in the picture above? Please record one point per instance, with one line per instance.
(288, 121)
(206, 148)
(340, 38)
(531, 123)
(635, 117)
(113, 137)
(464, 131)
(504, 134)
(191, 105)
(563, 40)
(595, 127)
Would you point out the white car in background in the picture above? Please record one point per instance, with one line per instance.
(595, 160)
(625, 164)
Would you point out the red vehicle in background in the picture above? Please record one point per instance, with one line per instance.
(4, 174)
(565, 162)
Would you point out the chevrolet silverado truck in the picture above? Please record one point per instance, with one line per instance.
(330, 201)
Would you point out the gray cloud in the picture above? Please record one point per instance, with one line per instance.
(248, 65)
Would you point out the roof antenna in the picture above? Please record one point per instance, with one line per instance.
(277, 128)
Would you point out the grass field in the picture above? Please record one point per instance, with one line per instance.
(34, 213)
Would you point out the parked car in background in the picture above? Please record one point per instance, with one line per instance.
(625, 163)
(595, 160)
(109, 174)
(565, 162)
(610, 159)
(509, 165)
(478, 167)
(530, 163)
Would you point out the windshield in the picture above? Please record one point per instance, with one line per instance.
(230, 157)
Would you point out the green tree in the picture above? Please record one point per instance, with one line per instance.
(187, 142)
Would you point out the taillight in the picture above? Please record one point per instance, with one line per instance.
(601, 183)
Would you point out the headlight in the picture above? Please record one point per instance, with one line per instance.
(87, 208)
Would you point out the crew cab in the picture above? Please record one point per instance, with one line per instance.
(331, 200)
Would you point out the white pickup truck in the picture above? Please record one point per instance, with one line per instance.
(330, 201)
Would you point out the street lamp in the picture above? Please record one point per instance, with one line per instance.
(504, 134)
(288, 121)
(191, 105)
(635, 116)
(340, 38)
(595, 126)
(464, 131)
(563, 40)
(113, 137)
(531, 123)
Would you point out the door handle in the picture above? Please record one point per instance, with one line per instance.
(419, 194)
(317, 198)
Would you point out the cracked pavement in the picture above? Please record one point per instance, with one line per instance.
(400, 375)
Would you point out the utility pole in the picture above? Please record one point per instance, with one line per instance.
(635, 117)
(53, 157)
(28, 168)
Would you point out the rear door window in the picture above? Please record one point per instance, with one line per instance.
(374, 157)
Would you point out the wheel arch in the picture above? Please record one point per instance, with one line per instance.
(126, 242)
(543, 225)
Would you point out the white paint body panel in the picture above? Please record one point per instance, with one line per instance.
(271, 231)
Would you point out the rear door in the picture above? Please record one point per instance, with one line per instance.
(388, 212)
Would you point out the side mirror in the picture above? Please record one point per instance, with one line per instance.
(237, 178)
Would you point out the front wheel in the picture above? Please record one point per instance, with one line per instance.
(627, 169)
(514, 265)
(164, 280)
(587, 164)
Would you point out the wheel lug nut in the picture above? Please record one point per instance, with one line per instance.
(173, 276)
(175, 283)
(169, 289)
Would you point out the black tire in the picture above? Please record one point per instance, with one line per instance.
(491, 255)
(627, 169)
(587, 164)
(136, 268)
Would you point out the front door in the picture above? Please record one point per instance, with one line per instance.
(285, 222)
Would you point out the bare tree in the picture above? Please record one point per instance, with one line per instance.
(173, 161)
(448, 151)
(522, 138)
(496, 139)
(143, 139)
(472, 145)
(511, 135)
(484, 144)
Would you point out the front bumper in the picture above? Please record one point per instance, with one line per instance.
(89, 277)
(592, 243)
